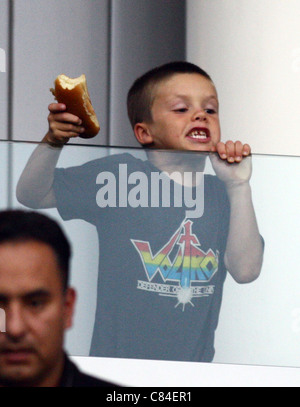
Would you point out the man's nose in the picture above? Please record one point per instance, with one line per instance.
(15, 322)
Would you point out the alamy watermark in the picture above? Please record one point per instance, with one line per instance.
(2, 60)
(157, 190)
(2, 320)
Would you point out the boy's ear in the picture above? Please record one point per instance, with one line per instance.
(143, 133)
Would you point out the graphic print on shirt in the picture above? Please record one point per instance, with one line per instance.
(184, 268)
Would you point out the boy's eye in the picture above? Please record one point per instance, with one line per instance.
(181, 110)
(210, 111)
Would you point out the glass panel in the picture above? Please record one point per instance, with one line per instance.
(161, 251)
(4, 168)
(4, 67)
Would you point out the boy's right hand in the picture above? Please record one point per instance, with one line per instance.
(62, 125)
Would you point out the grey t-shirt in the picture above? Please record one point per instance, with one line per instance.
(161, 274)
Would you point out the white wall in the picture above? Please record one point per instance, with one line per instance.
(50, 38)
(145, 34)
(112, 42)
(252, 51)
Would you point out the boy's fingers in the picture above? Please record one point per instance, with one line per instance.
(238, 151)
(57, 127)
(58, 112)
(246, 150)
(233, 151)
(56, 107)
(62, 125)
(70, 128)
(230, 151)
(64, 118)
(59, 135)
(221, 150)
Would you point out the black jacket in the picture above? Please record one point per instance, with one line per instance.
(73, 377)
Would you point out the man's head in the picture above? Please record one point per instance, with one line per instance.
(34, 293)
(175, 106)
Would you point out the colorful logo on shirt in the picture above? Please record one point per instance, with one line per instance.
(181, 264)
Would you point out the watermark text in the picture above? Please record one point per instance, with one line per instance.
(155, 190)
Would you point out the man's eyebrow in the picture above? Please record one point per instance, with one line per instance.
(37, 293)
(28, 295)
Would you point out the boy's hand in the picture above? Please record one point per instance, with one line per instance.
(232, 163)
(232, 151)
(62, 125)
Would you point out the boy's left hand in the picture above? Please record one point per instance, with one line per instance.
(232, 163)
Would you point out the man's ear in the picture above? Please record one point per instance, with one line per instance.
(69, 307)
(143, 133)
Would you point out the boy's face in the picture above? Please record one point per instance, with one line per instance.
(184, 115)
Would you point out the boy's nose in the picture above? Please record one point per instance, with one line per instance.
(199, 115)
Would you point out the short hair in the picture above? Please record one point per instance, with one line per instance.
(22, 226)
(140, 96)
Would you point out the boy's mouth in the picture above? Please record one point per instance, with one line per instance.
(201, 135)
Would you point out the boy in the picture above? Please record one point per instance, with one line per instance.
(161, 271)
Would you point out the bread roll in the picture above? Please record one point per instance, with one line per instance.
(74, 94)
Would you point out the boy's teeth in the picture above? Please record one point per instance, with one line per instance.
(199, 134)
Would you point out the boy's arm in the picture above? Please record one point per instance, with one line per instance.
(35, 186)
(244, 250)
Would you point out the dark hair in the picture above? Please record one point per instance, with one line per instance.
(19, 225)
(140, 96)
